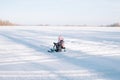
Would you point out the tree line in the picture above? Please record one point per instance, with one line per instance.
(6, 23)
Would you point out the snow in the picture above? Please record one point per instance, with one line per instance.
(92, 53)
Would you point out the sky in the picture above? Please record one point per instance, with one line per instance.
(61, 12)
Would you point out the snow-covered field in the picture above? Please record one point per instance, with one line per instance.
(93, 53)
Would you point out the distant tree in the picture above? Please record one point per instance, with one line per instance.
(6, 23)
(115, 25)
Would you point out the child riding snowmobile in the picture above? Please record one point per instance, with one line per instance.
(59, 45)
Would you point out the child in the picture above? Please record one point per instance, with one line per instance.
(59, 45)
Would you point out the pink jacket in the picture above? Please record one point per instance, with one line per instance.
(61, 38)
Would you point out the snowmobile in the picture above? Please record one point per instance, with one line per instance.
(58, 47)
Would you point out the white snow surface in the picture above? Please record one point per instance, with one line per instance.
(92, 53)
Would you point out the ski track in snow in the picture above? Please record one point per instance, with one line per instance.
(93, 53)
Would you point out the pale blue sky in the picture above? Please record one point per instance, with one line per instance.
(91, 12)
